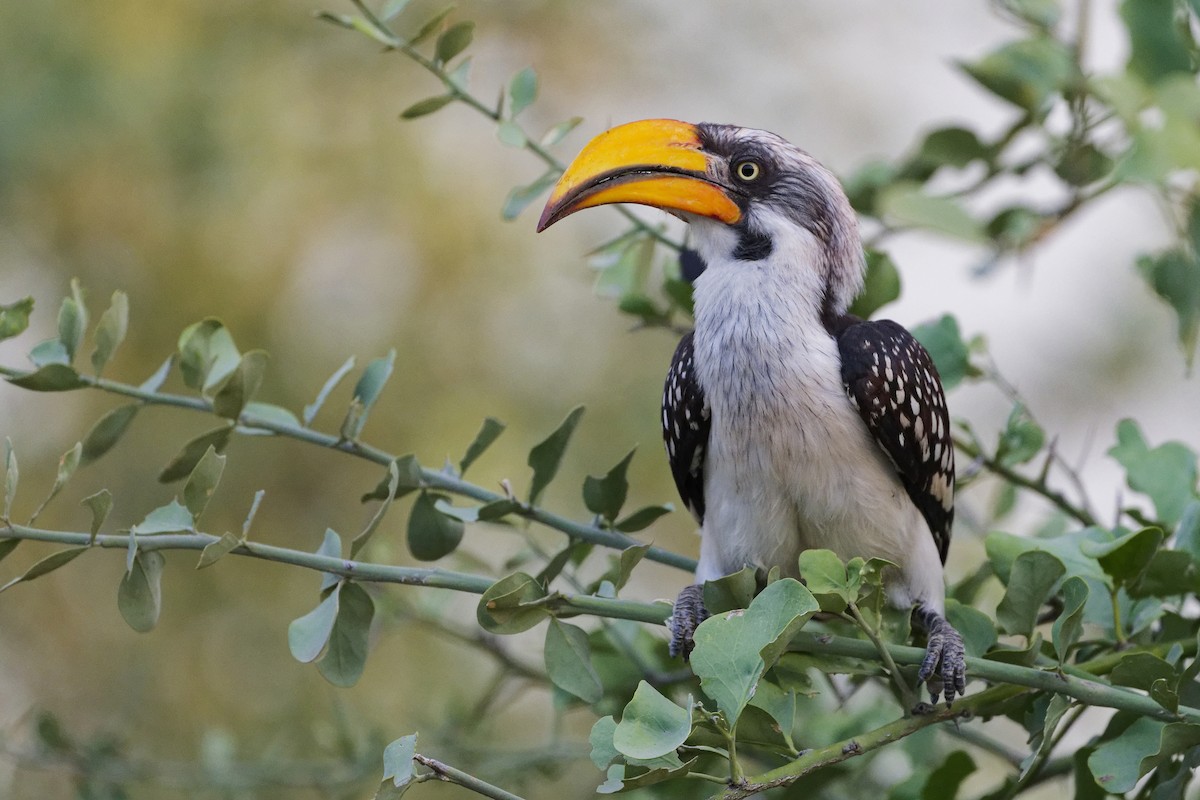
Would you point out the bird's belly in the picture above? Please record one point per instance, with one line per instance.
(805, 474)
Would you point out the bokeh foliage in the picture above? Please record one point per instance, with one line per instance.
(1086, 613)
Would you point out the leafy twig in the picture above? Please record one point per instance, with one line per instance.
(430, 478)
(445, 772)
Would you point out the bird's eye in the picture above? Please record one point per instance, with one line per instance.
(747, 171)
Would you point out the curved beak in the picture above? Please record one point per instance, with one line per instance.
(654, 162)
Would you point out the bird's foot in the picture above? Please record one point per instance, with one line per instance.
(686, 616)
(944, 669)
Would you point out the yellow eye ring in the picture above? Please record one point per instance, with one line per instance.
(747, 171)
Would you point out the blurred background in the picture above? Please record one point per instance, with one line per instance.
(246, 161)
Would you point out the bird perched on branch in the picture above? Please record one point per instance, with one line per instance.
(789, 423)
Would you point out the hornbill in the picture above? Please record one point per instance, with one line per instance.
(789, 423)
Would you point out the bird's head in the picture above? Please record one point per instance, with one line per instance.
(749, 196)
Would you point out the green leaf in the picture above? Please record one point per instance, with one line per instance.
(11, 476)
(107, 431)
(680, 293)
(366, 392)
(310, 410)
(7, 546)
(1157, 48)
(1169, 573)
(630, 557)
(14, 318)
(460, 77)
(779, 704)
(46, 565)
(456, 39)
(1175, 277)
(1083, 164)
(1033, 576)
(139, 596)
(601, 739)
(947, 349)
(50, 351)
(72, 321)
(49, 378)
(346, 655)
(1125, 559)
(1141, 670)
(207, 354)
(1069, 625)
(978, 632)
(110, 331)
(734, 650)
(398, 757)
(489, 433)
(186, 459)
(308, 635)
(651, 725)
(409, 472)
(171, 518)
(646, 309)
(1004, 548)
(1021, 439)
(215, 551)
(1043, 738)
(427, 106)
(500, 609)
(393, 483)
(605, 495)
(203, 482)
(432, 534)
(1015, 227)
(953, 147)
(569, 662)
(432, 25)
(155, 381)
(241, 385)
(67, 464)
(732, 591)
(546, 456)
(825, 576)
(1119, 763)
(559, 132)
(1043, 13)
(497, 509)
(331, 547)
(390, 10)
(946, 779)
(99, 504)
(1187, 534)
(257, 416)
(882, 285)
(649, 777)
(643, 518)
(906, 204)
(1026, 73)
(521, 196)
(522, 91)
(510, 134)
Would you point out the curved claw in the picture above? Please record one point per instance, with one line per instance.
(686, 616)
(944, 669)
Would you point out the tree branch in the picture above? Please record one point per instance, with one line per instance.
(433, 479)
(1078, 681)
(447, 773)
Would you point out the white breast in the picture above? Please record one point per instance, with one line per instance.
(790, 465)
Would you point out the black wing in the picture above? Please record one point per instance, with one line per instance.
(893, 383)
(685, 420)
